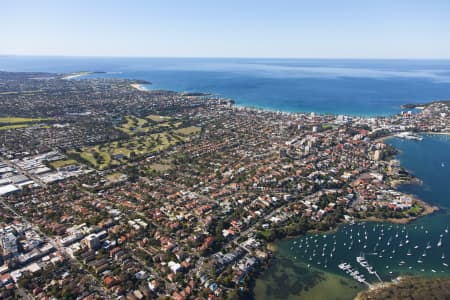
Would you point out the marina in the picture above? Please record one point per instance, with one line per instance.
(379, 250)
(354, 273)
(419, 248)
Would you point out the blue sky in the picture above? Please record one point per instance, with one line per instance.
(229, 28)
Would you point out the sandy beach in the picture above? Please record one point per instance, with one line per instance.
(139, 87)
(72, 76)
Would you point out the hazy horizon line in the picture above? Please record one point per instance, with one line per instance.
(221, 57)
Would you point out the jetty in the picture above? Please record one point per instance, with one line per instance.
(365, 264)
(354, 273)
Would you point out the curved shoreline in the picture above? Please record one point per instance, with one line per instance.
(428, 209)
(273, 248)
(139, 87)
(393, 135)
(377, 287)
(409, 285)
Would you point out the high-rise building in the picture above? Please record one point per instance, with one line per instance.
(8, 242)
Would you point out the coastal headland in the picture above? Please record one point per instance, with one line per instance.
(409, 287)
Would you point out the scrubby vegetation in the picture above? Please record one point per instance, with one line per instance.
(412, 288)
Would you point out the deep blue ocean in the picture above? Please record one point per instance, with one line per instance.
(355, 87)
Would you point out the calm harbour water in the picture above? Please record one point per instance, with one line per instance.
(392, 250)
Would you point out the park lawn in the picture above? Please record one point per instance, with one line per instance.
(104, 156)
(191, 130)
(21, 92)
(62, 163)
(134, 125)
(115, 177)
(166, 125)
(327, 126)
(122, 150)
(177, 124)
(157, 118)
(130, 126)
(15, 126)
(141, 122)
(19, 120)
(88, 156)
(414, 210)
